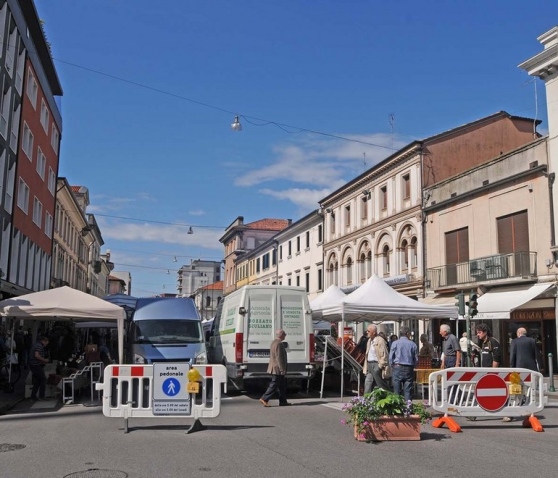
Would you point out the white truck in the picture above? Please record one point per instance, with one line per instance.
(245, 326)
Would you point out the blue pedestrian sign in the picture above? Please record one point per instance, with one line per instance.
(171, 387)
(170, 391)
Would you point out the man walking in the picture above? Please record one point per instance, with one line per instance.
(524, 352)
(37, 362)
(403, 357)
(451, 351)
(278, 369)
(376, 361)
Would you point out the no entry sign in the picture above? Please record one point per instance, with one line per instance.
(491, 392)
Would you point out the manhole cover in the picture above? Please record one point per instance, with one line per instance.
(96, 473)
(10, 447)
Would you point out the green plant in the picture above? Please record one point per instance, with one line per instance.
(381, 403)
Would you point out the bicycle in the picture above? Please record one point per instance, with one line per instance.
(9, 375)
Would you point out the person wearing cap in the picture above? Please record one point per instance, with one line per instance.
(278, 369)
(37, 362)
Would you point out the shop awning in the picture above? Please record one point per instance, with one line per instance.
(438, 300)
(498, 304)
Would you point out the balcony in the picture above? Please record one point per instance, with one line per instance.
(484, 269)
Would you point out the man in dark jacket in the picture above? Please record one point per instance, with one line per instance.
(524, 352)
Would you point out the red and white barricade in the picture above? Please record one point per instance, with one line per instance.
(149, 391)
(486, 392)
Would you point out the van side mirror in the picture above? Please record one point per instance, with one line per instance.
(242, 310)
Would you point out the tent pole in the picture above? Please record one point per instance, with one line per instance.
(324, 367)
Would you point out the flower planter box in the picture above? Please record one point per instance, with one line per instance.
(391, 429)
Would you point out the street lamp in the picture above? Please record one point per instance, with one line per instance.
(236, 126)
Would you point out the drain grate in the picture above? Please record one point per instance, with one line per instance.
(96, 473)
(10, 447)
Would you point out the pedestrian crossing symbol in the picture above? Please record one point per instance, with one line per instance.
(171, 387)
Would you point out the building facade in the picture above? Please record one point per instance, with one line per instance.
(30, 132)
(196, 275)
(240, 238)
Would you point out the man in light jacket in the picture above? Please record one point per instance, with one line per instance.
(376, 362)
(278, 369)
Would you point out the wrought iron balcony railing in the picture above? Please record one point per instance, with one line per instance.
(483, 269)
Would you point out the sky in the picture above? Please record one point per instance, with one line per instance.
(324, 90)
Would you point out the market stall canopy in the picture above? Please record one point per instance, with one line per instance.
(498, 304)
(65, 303)
(376, 300)
(330, 297)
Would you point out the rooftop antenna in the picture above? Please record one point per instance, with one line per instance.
(392, 124)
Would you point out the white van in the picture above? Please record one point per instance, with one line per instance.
(245, 326)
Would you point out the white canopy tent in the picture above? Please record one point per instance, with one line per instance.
(65, 303)
(376, 300)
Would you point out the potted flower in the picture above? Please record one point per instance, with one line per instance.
(384, 415)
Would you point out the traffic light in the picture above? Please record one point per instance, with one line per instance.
(460, 303)
(473, 304)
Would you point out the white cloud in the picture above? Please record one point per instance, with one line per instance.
(101, 203)
(322, 162)
(166, 234)
(305, 199)
(197, 212)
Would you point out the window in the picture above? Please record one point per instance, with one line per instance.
(15, 128)
(385, 253)
(280, 253)
(383, 197)
(23, 196)
(297, 243)
(32, 88)
(41, 163)
(5, 112)
(55, 139)
(320, 279)
(406, 186)
(290, 250)
(48, 224)
(457, 250)
(349, 271)
(10, 185)
(298, 281)
(320, 234)
(332, 223)
(45, 116)
(265, 261)
(307, 282)
(258, 264)
(274, 257)
(37, 212)
(513, 238)
(27, 144)
(307, 239)
(51, 180)
(348, 216)
(364, 208)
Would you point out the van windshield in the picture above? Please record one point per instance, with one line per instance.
(168, 332)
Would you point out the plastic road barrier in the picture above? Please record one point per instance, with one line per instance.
(486, 392)
(173, 390)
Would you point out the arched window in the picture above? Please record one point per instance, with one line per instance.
(362, 267)
(369, 264)
(405, 255)
(385, 253)
(349, 271)
(414, 257)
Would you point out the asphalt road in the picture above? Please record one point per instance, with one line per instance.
(248, 440)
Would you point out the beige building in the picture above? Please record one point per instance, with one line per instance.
(240, 238)
(375, 224)
(488, 232)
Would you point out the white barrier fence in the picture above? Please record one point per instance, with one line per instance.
(486, 392)
(162, 390)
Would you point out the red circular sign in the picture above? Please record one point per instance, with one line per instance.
(491, 392)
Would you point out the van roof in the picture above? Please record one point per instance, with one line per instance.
(175, 308)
